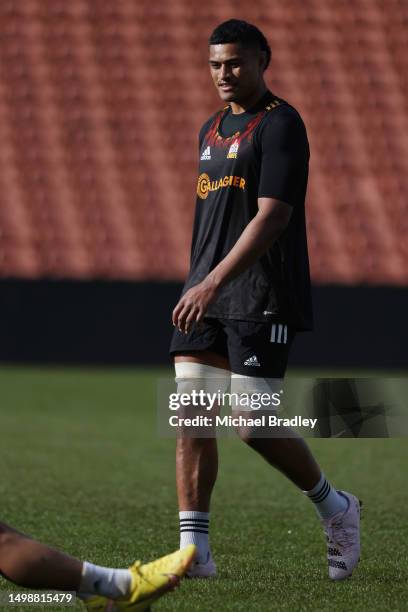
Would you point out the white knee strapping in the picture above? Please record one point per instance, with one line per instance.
(251, 393)
(247, 392)
(192, 376)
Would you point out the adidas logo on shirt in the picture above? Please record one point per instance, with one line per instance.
(233, 150)
(252, 361)
(206, 154)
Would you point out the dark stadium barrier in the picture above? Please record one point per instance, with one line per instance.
(103, 322)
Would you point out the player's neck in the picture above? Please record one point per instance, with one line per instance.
(243, 105)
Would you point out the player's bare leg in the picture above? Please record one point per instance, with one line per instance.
(339, 511)
(196, 474)
(31, 564)
(197, 458)
(291, 455)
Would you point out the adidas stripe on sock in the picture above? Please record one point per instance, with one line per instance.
(326, 499)
(194, 530)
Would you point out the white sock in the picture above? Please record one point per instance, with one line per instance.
(97, 580)
(194, 530)
(326, 499)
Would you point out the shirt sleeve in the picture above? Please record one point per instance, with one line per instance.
(201, 135)
(203, 131)
(284, 156)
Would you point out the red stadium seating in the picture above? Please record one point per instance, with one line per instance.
(101, 102)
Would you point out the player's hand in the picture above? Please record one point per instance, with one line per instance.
(193, 305)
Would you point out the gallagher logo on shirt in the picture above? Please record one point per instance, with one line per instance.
(233, 150)
(205, 184)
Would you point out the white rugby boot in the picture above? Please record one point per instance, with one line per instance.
(343, 539)
(199, 569)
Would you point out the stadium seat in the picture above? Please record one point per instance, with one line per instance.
(100, 104)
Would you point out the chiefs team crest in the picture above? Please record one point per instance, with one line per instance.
(233, 150)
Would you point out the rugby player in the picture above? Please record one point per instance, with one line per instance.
(248, 289)
(29, 563)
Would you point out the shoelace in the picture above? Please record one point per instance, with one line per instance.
(145, 575)
(337, 534)
(137, 566)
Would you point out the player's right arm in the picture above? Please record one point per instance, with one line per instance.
(284, 160)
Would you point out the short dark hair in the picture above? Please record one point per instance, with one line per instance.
(243, 33)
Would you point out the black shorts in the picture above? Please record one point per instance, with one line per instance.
(252, 349)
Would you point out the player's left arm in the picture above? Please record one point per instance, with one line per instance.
(283, 161)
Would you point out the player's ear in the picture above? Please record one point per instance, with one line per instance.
(262, 60)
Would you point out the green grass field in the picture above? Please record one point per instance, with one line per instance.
(82, 468)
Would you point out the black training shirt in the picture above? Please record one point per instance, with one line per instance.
(263, 152)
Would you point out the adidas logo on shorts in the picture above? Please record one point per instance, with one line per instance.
(252, 361)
